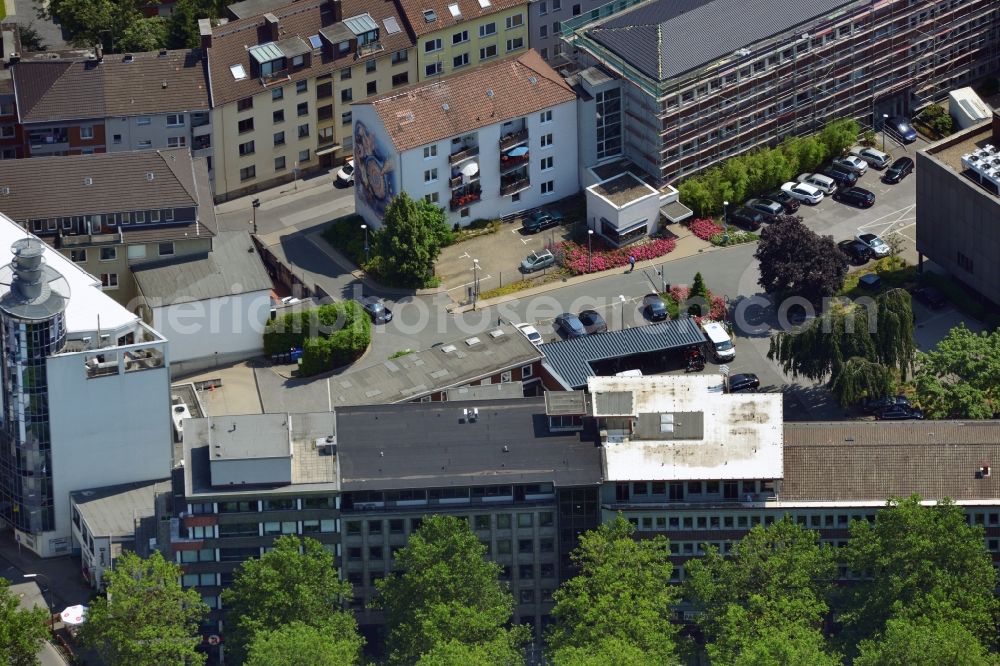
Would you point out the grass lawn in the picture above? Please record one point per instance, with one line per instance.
(894, 273)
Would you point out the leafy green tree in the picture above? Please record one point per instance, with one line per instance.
(698, 299)
(922, 564)
(146, 34)
(410, 240)
(608, 651)
(621, 593)
(299, 643)
(839, 135)
(796, 260)
(695, 194)
(146, 618)
(118, 25)
(285, 586)
(960, 377)
(447, 592)
(772, 589)
(21, 630)
(30, 39)
(924, 642)
(785, 645)
(859, 378)
(182, 26)
(496, 652)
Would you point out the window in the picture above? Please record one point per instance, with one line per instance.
(432, 45)
(304, 155)
(400, 79)
(246, 173)
(526, 571)
(543, 8)
(375, 553)
(109, 253)
(117, 138)
(515, 44)
(515, 21)
(430, 175)
(277, 93)
(245, 126)
(543, 31)
(301, 86)
(432, 69)
(87, 132)
(548, 187)
(433, 198)
(246, 148)
(166, 249)
(503, 546)
(430, 151)
(524, 519)
(346, 95)
(244, 104)
(345, 118)
(503, 521)
(370, 66)
(143, 120)
(396, 526)
(556, 5)
(488, 52)
(78, 256)
(176, 141)
(109, 280)
(965, 263)
(547, 163)
(324, 90)
(546, 140)
(460, 37)
(488, 29)
(371, 87)
(545, 116)
(303, 131)
(278, 116)
(345, 73)
(545, 519)
(400, 56)
(325, 113)
(460, 61)
(279, 163)
(279, 138)
(302, 109)
(481, 522)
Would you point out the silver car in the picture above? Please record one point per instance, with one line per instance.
(536, 261)
(876, 158)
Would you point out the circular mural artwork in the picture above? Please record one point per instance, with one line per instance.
(374, 180)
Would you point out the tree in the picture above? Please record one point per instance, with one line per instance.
(795, 260)
(146, 34)
(182, 26)
(447, 592)
(839, 135)
(496, 652)
(922, 564)
(768, 598)
(287, 586)
(791, 645)
(299, 643)
(923, 642)
(608, 651)
(960, 377)
(146, 618)
(118, 25)
(30, 39)
(695, 194)
(410, 240)
(621, 593)
(21, 630)
(859, 378)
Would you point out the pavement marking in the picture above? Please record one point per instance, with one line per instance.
(465, 255)
(469, 284)
(329, 396)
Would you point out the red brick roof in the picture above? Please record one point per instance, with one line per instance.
(469, 9)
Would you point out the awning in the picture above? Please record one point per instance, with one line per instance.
(469, 170)
(675, 211)
(327, 149)
(518, 152)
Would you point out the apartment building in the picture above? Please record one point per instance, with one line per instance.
(77, 104)
(485, 143)
(86, 392)
(545, 19)
(699, 81)
(282, 83)
(109, 212)
(455, 34)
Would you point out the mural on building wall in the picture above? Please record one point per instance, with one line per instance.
(374, 177)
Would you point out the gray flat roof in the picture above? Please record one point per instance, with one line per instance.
(570, 359)
(433, 445)
(573, 403)
(503, 391)
(430, 370)
(243, 436)
(117, 510)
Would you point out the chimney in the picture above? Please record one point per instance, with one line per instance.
(338, 11)
(271, 26)
(205, 32)
(996, 125)
(99, 52)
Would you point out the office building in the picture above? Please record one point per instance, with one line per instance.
(86, 392)
(701, 80)
(482, 144)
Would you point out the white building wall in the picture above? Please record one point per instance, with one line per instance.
(134, 131)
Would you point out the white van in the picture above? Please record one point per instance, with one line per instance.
(719, 341)
(629, 373)
(824, 184)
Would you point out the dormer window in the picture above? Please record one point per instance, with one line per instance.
(269, 59)
(364, 28)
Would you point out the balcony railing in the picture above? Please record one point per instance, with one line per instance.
(463, 200)
(511, 163)
(514, 186)
(514, 138)
(461, 155)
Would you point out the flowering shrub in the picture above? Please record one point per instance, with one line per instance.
(717, 304)
(733, 237)
(704, 228)
(577, 259)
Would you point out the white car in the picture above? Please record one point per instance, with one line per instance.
(877, 245)
(531, 333)
(854, 163)
(803, 192)
(346, 174)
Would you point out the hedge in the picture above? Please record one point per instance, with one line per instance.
(330, 336)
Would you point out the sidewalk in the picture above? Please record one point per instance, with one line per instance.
(281, 193)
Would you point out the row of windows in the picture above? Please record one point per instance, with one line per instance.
(747, 521)
(79, 256)
(80, 222)
(501, 521)
(252, 506)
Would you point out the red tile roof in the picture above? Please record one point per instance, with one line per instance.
(468, 9)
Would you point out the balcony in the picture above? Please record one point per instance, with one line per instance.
(508, 163)
(462, 200)
(514, 185)
(514, 138)
(463, 155)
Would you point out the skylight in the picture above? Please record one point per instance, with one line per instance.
(430, 15)
(391, 25)
(455, 11)
(484, 3)
(238, 72)
(315, 42)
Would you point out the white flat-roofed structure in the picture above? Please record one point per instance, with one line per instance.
(680, 428)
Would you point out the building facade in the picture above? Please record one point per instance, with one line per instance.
(498, 139)
(695, 89)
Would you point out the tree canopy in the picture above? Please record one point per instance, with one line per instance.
(923, 642)
(410, 240)
(120, 25)
(960, 377)
(794, 260)
(298, 643)
(146, 618)
(621, 594)
(285, 586)
(21, 630)
(447, 595)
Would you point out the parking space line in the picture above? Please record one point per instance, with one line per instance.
(465, 255)
(469, 284)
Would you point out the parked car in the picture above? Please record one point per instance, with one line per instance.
(345, 175)
(744, 382)
(531, 333)
(929, 296)
(747, 218)
(541, 219)
(537, 260)
(877, 245)
(803, 192)
(825, 184)
(875, 158)
(841, 175)
(899, 413)
(854, 163)
(870, 281)
(857, 252)
(593, 322)
(790, 203)
(856, 196)
(899, 170)
(872, 405)
(376, 310)
(569, 325)
(903, 128)
(290, 300)
(653, 307)
(770, 210)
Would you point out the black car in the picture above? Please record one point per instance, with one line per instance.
(790, 203)
(745, 382)
(930, 297)
(771, 210)
(653, 307)
(376, 310)
(898, 413)
(570, 325)
(856, 196)
(747, 218)
(592, 321)
(541, 219)
(898, 170)
(843, 176)
(857, 252)
(872, 405)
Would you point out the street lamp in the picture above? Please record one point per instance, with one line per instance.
(590, 250)
(52, 621)
(475, 282)
(364, 228)
(621, 298)
(885, 119)
(725, 215)
(256, 204)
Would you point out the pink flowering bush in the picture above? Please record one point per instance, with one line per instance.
(704, 228)
(577, 259)
(717, 304)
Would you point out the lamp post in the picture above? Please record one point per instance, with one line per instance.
(621, 298)
(256, 204)
(725, 221)
(590, 250)
(52, 622)
(364, 227)
(475, 282)
(885, 119)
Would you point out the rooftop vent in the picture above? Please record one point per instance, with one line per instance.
(4, 191)
(128, 59)
(404, 117)
(163, 53)
(489, 93)
(984, 472)
(446, 107)
(472, 341)
(430, 15)
(87, 180)
(447, 349)
(533, 80)
(496, 333)
(163, 84)
(149, 176)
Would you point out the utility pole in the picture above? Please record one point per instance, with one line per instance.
(475, 283)
(256, 204)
